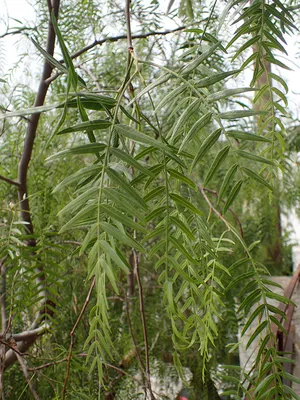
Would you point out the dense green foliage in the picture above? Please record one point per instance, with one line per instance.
(155, 185)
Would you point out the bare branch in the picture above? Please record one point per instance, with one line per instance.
(128, 24)
(111, 39)
(72, 334)
(218, 214)
(214, 193)
(10, 181)
(49, 364)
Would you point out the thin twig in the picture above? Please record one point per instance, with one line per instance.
(213, 192)
(100, 42)
(49, 364)
(72, 334)
(124, 373)
(218, 214)
(128, 25)
(27, 377)
(111, 39)
(10, 181)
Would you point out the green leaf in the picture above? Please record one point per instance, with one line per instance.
(265, 384)
(282, 299)
(226, 182)
(257, 331)
(119, 216)
(154, 213)
(273, 60)
(128, 189)
(113, 255)
(219, 159)
(191, 66)
(170, 96)
(159, 81)
(90, 148)
(93, 124)
(154, 193)
(181, 201)
(233, 194)
(51, 60)
(257, 177)
(121, 236)
(279, 80)
(127, 158)
(242, 277)
(247, 136)
(253, 157)
(278, 324)
(195, 129)
(140, 137)
(132, 207)
(290, 392)
(29, 111)
(211, 80)
(184, 228)
(91, 102)
(185, 116)
(66, 56)
(224, 94)
(246, 45)
(177, 175)
(86, 172)
(206, 145)
(240, 114)
(257, 312)
(187, 254)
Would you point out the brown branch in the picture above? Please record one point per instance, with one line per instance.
(218, 214)
(124, 373)
(112, 39)
(10, 181)
(216, 194)
(72, 334)
(17, 31)
(100, 42)
(32, 126)
(49, 364)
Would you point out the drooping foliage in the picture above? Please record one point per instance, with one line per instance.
(151, 186)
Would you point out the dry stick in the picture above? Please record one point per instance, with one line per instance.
(27, 377)
(124, 37)
(32, 125)
(124, 373)
(72, 334)
(10, 181)
(111, 39)
(216, 194)
(218, 214)
(49, 364)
